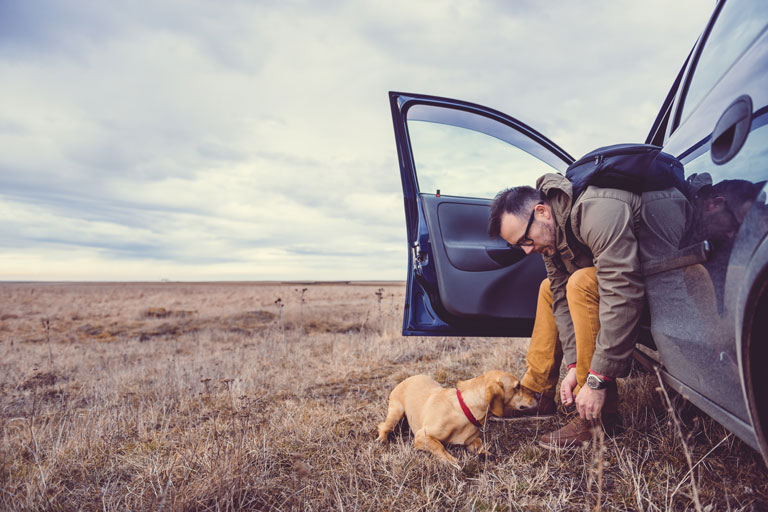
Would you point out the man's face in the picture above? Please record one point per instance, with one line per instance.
(719, 220)
(540, 235)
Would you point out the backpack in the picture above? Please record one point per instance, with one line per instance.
(637, 168)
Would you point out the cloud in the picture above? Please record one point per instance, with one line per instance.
(253, 140)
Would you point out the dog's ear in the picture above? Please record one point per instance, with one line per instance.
(494, 395)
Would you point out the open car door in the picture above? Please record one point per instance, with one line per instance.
(454, 158)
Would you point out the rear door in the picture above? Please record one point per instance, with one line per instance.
(716, 123)
(454, 158)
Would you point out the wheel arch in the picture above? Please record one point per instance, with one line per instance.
(752, 339)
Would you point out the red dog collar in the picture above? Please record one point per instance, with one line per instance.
(466, 410)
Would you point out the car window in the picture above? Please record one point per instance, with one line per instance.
(476, 159)
(737, 26)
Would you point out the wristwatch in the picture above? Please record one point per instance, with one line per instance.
(595, 382)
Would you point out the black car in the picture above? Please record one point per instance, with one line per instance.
(708, 326)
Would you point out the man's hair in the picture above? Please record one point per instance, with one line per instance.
(518, 201)
(736, 192)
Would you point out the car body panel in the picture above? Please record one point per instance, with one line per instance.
(742, 429)
(695, 332)
(705, 347)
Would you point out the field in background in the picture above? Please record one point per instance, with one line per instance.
(228, 396)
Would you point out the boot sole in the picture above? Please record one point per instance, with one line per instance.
(609, 434)
(540, 417)
(581, 445)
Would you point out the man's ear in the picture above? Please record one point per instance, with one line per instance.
(715, 204)
(545, 210)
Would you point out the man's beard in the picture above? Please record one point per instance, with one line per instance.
(548, 248)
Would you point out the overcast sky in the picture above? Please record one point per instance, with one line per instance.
(252, 140)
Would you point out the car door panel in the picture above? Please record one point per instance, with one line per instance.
(694, 132)
(460, 280)
(470, 282)
(460, 224)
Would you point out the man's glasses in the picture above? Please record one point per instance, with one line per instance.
(524, 240)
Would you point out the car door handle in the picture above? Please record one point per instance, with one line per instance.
(731, 130)
(505, 256)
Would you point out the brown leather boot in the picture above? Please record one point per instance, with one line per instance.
(574, 434)
(578, 432)
(543, 409)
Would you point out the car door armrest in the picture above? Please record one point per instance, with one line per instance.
(505, 256)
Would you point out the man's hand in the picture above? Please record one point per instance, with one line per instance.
(589, 402)
(566, 387)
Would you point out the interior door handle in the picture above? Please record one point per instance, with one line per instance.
(731, 130)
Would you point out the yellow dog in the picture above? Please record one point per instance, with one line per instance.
(437, 415)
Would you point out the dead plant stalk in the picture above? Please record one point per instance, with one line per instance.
(686, 450)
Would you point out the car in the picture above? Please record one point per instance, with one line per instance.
(707, 327)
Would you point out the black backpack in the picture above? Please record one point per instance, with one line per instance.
(635, 167)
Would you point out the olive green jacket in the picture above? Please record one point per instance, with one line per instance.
(605, 221)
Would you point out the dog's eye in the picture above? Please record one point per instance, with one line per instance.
(518, 385)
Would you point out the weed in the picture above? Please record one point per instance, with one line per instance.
(302, 301)
(46, 323)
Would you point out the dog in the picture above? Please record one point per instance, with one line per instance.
(437, 415)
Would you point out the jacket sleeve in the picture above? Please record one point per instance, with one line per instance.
(607, 227)
(558, 279)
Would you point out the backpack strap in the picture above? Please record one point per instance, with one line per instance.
(573, 243)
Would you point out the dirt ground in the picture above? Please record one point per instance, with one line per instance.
(266, 396)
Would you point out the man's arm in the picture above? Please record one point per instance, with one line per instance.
(606, 225)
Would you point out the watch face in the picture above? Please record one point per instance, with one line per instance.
(594, 382)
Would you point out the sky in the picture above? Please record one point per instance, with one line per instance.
(252, 140)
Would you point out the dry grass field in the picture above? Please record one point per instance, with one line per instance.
(247, 396)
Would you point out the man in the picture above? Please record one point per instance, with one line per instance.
(589, 305)
(718, 212)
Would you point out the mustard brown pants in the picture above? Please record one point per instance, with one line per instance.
(545, 353)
